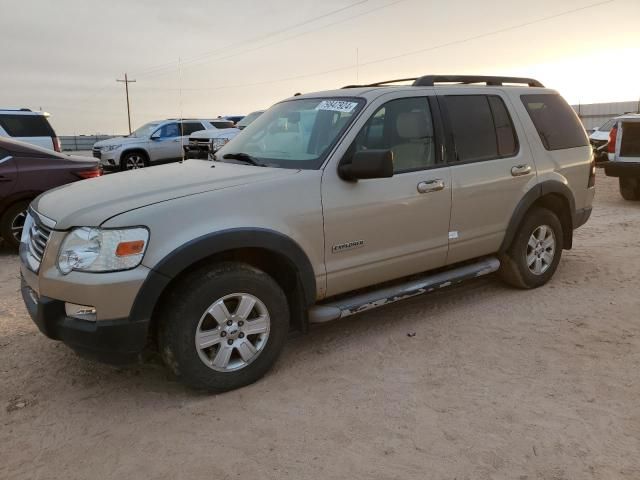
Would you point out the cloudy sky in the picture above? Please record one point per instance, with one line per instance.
(205, 58)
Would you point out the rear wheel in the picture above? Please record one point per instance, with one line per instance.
(535, 252)
(223, 327)
(11, 223)
(133, 161)
(629, 188)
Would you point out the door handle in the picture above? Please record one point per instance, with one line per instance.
(431, 186)
(519, 170)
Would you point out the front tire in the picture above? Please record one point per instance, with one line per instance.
(133, 161)
(533, 256)
(11, 223)
(223, 327)
(629, 188)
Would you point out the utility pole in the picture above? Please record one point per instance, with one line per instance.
(126, 82)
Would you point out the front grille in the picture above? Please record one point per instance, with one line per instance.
(35, 241)
(97, 153)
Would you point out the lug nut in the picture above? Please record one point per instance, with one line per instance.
(229, 322)
(229, 342)
(241, 335)
(223, 334)
(240, 323)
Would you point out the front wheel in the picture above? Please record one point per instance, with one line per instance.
(133, 161)
(223, 327)
(533, 256)
(11, 223)
(629, 188)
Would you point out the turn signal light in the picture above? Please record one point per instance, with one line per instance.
(613, 136)
(125, 249)
(89, 173)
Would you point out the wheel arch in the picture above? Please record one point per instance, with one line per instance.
(134, 150)
(274, 253)
(552, 195)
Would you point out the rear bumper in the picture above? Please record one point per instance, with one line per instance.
(111, 341)
(622, 169)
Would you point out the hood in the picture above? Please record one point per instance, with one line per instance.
(119, 141)
(599, 135)
(92, 202)
(216, 133)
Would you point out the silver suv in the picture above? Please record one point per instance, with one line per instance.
(327, 205)
(155, 142)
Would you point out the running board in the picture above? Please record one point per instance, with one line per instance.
(377, 298)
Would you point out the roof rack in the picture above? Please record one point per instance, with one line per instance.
(431, 80)
(15, 110)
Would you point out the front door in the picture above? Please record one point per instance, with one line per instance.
(166, 143)
(381, 229)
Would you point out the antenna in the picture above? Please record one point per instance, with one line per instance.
(126, 82)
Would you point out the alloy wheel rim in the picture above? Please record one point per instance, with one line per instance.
(232, 332)
(17, 225)
(134, 162)
(541, 249)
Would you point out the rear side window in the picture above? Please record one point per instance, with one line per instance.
(481, 126)
(555, 121)
(189, 127)
(26, 126)
(222, 124)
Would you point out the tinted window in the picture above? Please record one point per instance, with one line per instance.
(169, 130)
(222, 124)
(26, 126)
(556, 122)
(505, 132)
(405, 127)
(189, 127)
(472, 127)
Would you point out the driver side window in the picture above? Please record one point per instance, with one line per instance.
(405, 127)
(169, 130)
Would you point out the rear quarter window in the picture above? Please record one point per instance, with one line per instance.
(26, 126)
(555, 121)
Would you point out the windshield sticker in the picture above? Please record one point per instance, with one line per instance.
(337, 106)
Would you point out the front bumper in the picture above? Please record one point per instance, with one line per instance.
(111, 341)
(108, 159)
(622, 169)
(200, 150)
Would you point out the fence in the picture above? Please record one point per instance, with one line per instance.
(81, 142)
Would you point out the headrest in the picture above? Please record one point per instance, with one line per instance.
(412, 125)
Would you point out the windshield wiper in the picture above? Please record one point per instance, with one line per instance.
(243, 157)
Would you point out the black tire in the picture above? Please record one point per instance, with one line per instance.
(630, 188)
(133, 160)
(11, 219)
(182, 312)
(514, 268)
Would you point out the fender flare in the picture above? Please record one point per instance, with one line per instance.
(545, 188)
(205, 246)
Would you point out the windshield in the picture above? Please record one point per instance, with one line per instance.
(145, 130)
(296, 133)
(248, 119)
(607, 126)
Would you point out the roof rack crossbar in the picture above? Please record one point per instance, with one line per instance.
(431, 80)
(386, 82)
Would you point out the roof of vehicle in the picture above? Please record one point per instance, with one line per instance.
(629, 116)
(431, 82)
(21, 111)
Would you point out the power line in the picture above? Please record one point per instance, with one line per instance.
(402, 55)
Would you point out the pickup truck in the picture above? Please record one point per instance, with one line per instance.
(624, 155)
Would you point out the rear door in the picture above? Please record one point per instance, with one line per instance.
(628, 140)
(29, 128)
(491, 170)
(8, 174)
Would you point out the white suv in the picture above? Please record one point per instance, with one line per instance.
(30, 127)
(155, 142)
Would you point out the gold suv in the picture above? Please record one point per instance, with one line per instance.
(329, 204)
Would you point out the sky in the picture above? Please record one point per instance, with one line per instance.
(205, 58)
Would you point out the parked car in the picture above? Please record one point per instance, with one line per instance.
(234, 118)
(329, 204)
(599, 139)
(29, 127)
(155, 142)
(25, 172)
(246, 121)
(624, 155)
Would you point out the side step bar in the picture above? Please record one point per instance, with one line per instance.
(377, 298)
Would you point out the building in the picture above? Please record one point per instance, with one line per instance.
(595, 114)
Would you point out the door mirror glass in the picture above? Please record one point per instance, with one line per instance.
(368, 164)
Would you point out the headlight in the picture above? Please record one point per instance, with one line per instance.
(109, 148)
(87, 249)
(218, 143)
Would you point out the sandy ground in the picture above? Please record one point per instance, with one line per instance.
(495, 384)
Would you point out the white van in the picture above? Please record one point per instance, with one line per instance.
(30, 127)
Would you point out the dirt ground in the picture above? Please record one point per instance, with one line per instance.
(496, 384)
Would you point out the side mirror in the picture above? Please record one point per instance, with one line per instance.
(368, 164)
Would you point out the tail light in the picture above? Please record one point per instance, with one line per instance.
(613, 136)
(57, 146)
(96, 172)
(592, 173)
